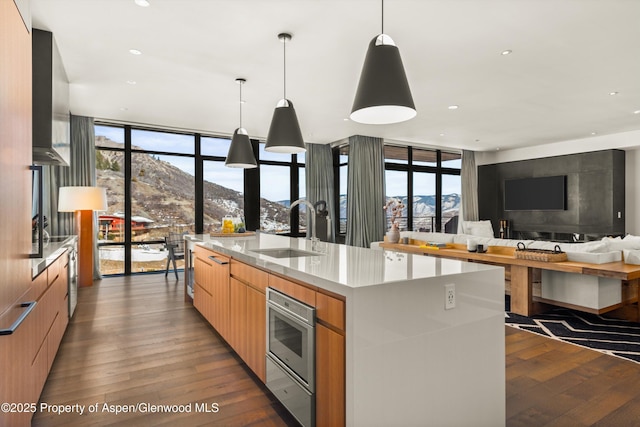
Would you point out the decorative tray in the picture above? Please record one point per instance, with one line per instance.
(545, 255)
(245, 234)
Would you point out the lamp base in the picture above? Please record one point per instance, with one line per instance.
(84, 228)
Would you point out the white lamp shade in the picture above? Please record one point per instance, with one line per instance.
(71, 199)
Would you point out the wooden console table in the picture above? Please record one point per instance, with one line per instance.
(522, 300)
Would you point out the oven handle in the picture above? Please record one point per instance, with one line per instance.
(29, 307)
(291, 315)
(219, 261)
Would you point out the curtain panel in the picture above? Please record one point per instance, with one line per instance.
(81, 172)
(469, 178)
(365, 191)
(319, 182)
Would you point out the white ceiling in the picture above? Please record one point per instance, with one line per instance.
(568, 55)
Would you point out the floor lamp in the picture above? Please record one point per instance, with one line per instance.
(83, 201)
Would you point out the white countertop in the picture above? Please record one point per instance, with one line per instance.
(338, 268)
(50, 252)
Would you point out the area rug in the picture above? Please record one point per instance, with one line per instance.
(618, 338)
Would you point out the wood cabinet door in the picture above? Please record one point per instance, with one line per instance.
(220, 296)
(202, 286)
(256, 315)
(330, 378)
(238, 317)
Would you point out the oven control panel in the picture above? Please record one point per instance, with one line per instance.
(291, 305)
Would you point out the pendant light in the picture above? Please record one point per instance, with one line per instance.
(240, 151)
(383, 94)
(284, 133)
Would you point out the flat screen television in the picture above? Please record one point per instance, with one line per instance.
(546, 193)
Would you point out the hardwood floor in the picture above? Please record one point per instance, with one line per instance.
(550, 383)
(133, 340)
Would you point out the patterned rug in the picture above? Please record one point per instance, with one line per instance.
(610, 336)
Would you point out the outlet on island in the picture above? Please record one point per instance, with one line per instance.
(449, 296)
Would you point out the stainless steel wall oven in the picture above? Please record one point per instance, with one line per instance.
(291, 354)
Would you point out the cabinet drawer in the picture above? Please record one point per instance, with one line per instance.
(205, 253)
(38, 286)
(330, 310)
(251, 276)
(294, 290)
(53, 271)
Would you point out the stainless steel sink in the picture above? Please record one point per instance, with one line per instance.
(285, 252)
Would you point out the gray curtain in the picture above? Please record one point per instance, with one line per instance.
(365, 191)
(319, 180)
(81, 172)
(469, 178)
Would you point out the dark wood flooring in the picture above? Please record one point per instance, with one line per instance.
(134, 341)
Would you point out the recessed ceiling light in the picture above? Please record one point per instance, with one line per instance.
(142, 3)
(497, 148)
(453, 107)
(594, 133)
(506, 52)
(613, 93)
(135, 52)
(345, 119)
(636, 112)
(131, 82)
(442, 134)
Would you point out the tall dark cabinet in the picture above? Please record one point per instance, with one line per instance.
(595, 191)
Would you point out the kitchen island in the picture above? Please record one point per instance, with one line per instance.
(408, 360)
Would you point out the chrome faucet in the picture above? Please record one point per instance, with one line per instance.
(311, 217)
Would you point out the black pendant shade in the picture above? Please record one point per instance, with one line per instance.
(383, 94)
(241, 151)
(284, 133)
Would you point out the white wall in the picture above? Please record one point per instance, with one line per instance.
(627, 141)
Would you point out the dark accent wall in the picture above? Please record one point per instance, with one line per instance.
(595, 194)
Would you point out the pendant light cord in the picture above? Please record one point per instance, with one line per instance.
(240, 104)
(382, 16)
(284, 48)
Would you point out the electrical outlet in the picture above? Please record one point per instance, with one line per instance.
(449, 296)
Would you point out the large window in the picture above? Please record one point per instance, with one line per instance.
(223, 187)
(427, 182)
(396, 188)
(424, 206)
(282, 180)
(341, 172)
(160, 182)
(275, 198)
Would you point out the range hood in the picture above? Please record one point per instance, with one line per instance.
(51, 129)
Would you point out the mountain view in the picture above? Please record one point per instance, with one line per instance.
(424, 208)
(164, 194)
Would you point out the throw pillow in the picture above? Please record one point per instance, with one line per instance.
(478, 228)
